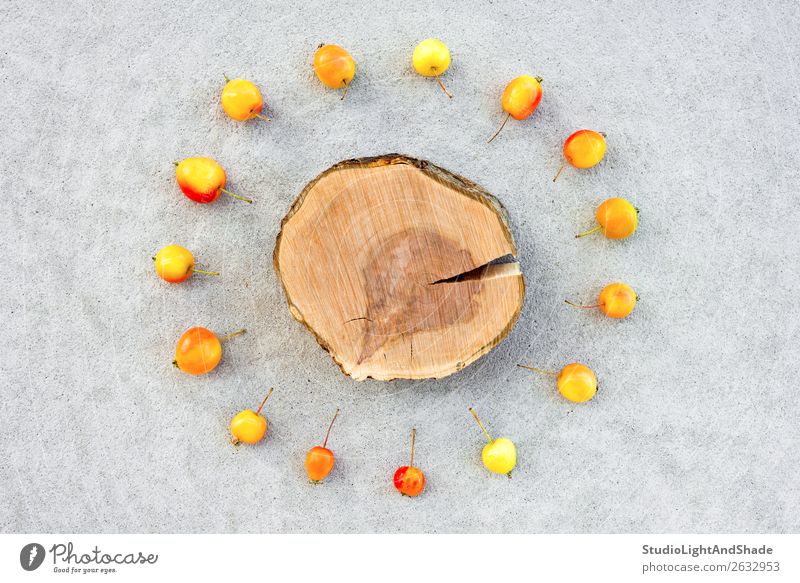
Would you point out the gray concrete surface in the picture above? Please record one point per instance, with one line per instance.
(695, 426)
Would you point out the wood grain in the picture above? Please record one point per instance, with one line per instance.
(388, 261)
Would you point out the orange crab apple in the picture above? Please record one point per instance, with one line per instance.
(616, 218)
(241, 99)
(520, 99)
(409, 480)
(576, 382)
(617, 300)
(199, 350)
(335, 67)
(583, 149)
(320, 460)
(203, 180)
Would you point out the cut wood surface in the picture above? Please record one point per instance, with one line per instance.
(391, 263)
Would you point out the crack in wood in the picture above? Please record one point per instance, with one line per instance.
(500, 267)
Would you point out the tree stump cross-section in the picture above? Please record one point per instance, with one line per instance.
(392, 264)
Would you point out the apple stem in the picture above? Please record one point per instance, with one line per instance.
(227, 80)
(574, 305)
(446, 92)
(232, 335)
(413, 439)
(597, 228)
(344, 90)
(486, 433)
(229, 193)
(258, 411)
(502, 125)
(560, 170)
(204, 272)
(327, 435)
(550, 372)
(264, 117)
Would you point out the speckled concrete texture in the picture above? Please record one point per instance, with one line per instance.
(695, 424)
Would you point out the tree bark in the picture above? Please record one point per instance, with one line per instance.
(392, 264)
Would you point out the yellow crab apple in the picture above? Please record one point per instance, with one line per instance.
(499, 455)
(431, 58)
(249, 426)
(241, 99)
(576, 382)
(176, 264)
